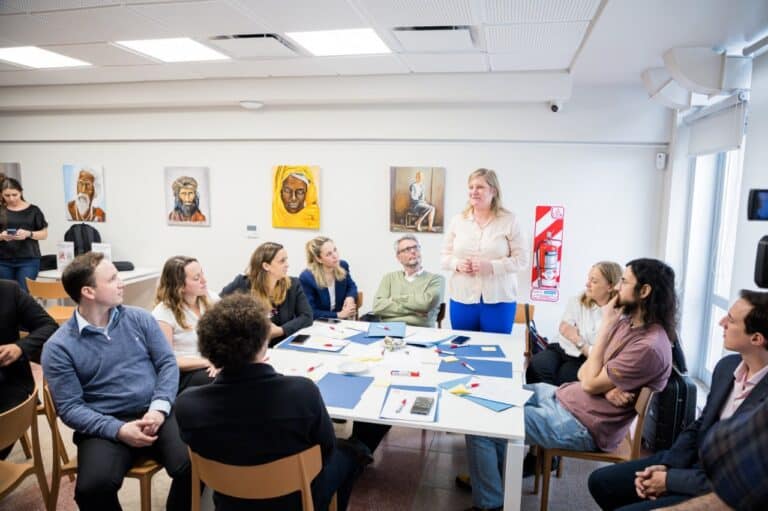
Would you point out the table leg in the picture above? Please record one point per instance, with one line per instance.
(513, 475)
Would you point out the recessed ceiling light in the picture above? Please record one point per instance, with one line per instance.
(356, 41)
(32, 56)
(249, 104)
(178, 49)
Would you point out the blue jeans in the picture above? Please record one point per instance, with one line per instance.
(547, 424)
(19, 269)
(483, 317)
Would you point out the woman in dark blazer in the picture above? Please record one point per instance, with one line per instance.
(326, 271)
(268, 282)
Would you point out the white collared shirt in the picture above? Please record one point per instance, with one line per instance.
(412, 277)
(501, 242)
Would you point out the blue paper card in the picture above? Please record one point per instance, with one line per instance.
(362, 338)
(387, 328)
(496, 406)
(343, 391)
(481, 367)
(475, 350)
(413, 340)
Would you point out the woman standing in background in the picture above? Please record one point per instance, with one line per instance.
(484, 249)
(22, 226)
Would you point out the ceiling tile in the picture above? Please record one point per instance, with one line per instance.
(232, 69)
(14, 6)
(252, 47)
(445, 63)
(420, 13)
(23, 29)
(98, 75)
(206, 19)
(62, 5)
(4, 66)
(538, 11)
(101, 54)
(303, 15)
(306, 66)
(533, 37)
(367, 65)
(435, 40)
(541, 60)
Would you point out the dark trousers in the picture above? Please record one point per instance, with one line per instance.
(613, 487)
(553, 366)
(369, 433)
(193, 378)
(103, 463)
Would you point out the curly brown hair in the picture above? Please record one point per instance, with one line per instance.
(233, 331)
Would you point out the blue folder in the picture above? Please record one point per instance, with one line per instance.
(286, 345)
(387, 328)
(342, 390)
(474, 350)
(362, 338)
(482, 367)
(417, 389)
(496, 406)
(413, 340)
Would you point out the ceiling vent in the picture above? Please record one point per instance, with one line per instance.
(245, 46)
(435, 39)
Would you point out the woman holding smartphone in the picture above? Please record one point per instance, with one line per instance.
(22, 226)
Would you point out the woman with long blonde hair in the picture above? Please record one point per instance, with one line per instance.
(182, 299)
(268, 281)
(327, 282)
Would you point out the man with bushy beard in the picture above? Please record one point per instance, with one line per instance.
(81, 208)
(187, 201)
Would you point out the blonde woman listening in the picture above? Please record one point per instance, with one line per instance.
(327, 283)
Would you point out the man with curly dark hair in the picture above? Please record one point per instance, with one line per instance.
(251, 415)
(633, 349)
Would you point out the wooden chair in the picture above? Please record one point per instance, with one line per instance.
(143, 469)
(629, 449)
(14, 424)
(358, 304)
(269, 480)
(52, 290)
(440, 315)
(520, 319)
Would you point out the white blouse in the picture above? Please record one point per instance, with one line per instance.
(500, 242)
(184, 341)
(587, 321)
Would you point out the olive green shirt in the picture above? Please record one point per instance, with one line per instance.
(415, 303)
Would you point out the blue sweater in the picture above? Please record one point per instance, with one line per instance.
(320, 298)
(99, 375)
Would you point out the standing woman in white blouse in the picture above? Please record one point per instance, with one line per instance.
(182, 298)
(484, 249)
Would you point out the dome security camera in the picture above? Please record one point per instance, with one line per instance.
(555, 106)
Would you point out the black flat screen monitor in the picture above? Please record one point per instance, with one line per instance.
(758, 205)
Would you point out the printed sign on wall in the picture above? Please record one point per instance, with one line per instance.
(547, 253)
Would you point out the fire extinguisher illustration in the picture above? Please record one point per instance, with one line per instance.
(548, 261)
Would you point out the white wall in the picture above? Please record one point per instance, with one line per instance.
(596, 158)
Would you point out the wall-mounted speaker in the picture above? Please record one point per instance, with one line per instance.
(761, 263)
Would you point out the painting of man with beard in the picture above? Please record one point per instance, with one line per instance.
(188, 200)
(86, 194)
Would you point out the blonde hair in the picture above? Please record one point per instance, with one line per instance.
(493, 181)
(313, 249)
(265, 253)
(612, 273)
(170, 291)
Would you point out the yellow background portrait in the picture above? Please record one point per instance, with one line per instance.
(294, 197)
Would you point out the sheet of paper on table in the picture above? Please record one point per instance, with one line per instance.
(399, 404)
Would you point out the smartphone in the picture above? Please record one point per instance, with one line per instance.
(300, 339)
(459, 339)
(422, 405)
(328, 320)
(11, 231)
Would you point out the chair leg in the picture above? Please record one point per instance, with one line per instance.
(560, 467)
(25, 446)
(145, 484)
(545, 482)
(537, 452)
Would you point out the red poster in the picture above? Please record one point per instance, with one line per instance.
(547, 253)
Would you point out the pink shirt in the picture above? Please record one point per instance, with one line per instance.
(634, 358)
(741, 388)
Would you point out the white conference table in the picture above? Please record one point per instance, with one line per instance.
(140, 285)
(455, 414)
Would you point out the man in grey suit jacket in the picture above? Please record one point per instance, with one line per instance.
(739, 385)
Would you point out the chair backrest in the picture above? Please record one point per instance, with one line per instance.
(642, 405)
(48, 290)
(520, 317)
(266, 481)
(440, 315)
(59, 465)
(16, 421)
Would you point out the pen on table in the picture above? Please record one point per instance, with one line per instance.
(402, 405)
(312, 368)
(404, 373)
(468, 366)
(473, 385)
(457, 346)
(446, 352)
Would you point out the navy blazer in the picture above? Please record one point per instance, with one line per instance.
(320, 299)
(685, 474)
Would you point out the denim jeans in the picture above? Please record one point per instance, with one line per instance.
(20, 268)
(547, 424)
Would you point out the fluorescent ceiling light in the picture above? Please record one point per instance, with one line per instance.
(178, 49)
(356, 41)
(32, 56)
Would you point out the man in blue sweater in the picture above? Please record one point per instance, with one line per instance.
(113, 378)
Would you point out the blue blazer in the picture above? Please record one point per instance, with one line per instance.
(685, 474)
(320, 299)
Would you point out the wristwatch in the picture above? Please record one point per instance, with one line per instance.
(580, 344)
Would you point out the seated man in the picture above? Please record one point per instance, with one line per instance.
(19, 310)
(738, 387)
(251, 415)
(632, 350)
(412, 295)
(113, 378)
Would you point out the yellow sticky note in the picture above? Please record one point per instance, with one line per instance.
(450, 358)
(488, 348)
(373, 358)
(459, 390)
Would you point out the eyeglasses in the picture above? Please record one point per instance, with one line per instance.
(412, 248)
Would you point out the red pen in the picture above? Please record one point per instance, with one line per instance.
(445, 351)
(473, 385)
(402, 405)
(404, 373)
(456, 346)
(312, 368)
(468, 366)
(328, 345)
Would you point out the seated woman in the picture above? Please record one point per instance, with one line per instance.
(325, 271)
(561, 361)
(419, 205)
(268, 282)
(251, 415)
(182, 298)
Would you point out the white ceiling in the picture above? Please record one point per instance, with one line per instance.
(598, 41)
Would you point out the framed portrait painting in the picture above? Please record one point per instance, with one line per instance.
(187, 196)
(84, 198)
(295, 192)
(417, 199)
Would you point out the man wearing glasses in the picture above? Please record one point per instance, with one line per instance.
(411, 295)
